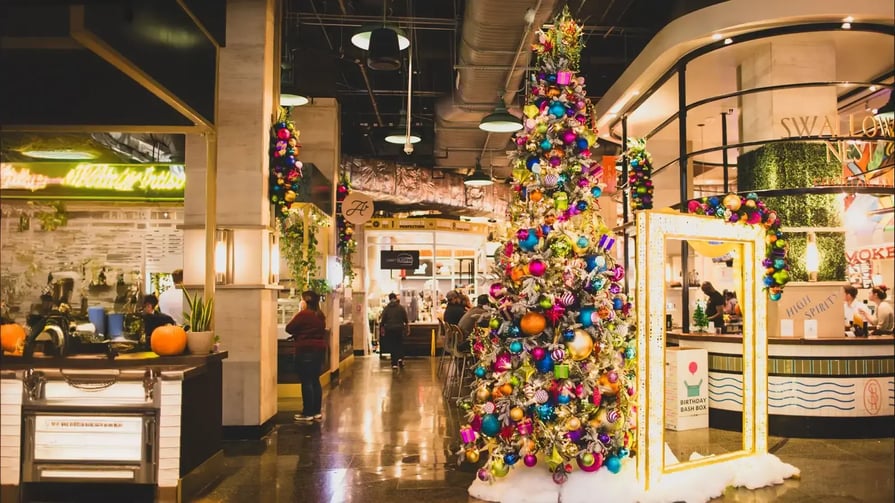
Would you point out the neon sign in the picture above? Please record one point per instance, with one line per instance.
(87, 180)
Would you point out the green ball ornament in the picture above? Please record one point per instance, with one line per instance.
(780, 243)
(499, 468)
(781, 277)
(561, 247)
(546, 303)
(494, 324)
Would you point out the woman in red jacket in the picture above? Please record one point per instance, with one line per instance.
(308, 330)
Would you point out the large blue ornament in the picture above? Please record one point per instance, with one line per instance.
(590, 262)
(581, 205)
(557, 109)
(511, 458)
(563, 399)
(596, 191)
(585, 316)
(545, 412)
(581, 143)
(617, 304)
(546, 144)
(490, 425)
(613, 464)
(531, 161)
(768, 281)
(545, 365)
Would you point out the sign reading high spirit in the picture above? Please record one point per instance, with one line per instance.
(89, 180)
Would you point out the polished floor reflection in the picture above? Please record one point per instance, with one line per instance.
(387, 436)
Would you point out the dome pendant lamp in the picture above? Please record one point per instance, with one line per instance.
(384, 53)
(500, 120)
(478, 178)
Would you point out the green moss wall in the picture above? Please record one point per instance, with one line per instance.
(795, 165)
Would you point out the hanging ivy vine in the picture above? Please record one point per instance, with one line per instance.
(299, 246)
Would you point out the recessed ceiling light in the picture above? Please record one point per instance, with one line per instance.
(717, 36)
(635, 92)
(873, 88)
(728, 41)
(846, 26)
(60, 155)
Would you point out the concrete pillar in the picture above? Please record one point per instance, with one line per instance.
(770, 115)
(245, 311)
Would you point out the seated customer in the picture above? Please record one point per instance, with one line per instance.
(885, 315)
(455, 308)
(152, 318)
(477, 316)
(856, 312)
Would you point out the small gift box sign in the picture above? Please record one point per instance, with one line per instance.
(561, 371)
(467, 434)
(564, 78)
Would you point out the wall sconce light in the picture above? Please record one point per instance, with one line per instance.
(274, 274)
(812, 257)
(223, 256)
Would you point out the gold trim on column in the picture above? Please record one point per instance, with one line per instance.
(199, 24)
(211, 197)
(99, 47)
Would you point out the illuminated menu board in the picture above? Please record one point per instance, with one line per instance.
(92, 181)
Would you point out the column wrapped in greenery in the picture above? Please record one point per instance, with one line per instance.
(796, 165)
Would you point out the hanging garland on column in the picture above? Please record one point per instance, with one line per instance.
(640, 180)
(346, 245)
(750, 210)
(285, 168)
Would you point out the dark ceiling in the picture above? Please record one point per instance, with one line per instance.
(320, 59)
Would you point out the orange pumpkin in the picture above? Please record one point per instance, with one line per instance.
(168, 340)
(533, 323)
(12, 335)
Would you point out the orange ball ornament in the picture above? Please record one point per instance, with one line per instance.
(12, 337)
(168, 340)
(535, 196)
(517, 274)
(506, 389)
(533, 323)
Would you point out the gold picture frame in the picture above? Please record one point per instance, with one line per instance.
(652, 229)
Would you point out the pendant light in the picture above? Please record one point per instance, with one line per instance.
(384, 54)
(361, 38)
(500, 120)
(478, 178)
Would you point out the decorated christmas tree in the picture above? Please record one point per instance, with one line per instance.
(555, 371)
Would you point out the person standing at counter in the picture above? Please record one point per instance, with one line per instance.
(714, 308)
(308, 330)
(153, 318)
(395, 325)
(855, 312)
(885, 315)
(170, 301)
(455, 309)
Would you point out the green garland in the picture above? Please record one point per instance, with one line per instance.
(346, 245)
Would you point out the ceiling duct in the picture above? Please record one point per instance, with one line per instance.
(490, 40)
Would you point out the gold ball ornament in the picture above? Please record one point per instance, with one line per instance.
(581, 345)
(472, 455)
(290, 196)
(482, 394)
(571, 450)
(573, 424)
(516, 413)
(731, 202)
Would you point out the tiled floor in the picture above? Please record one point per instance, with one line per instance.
(387, 436)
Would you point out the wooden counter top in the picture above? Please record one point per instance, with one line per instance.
(872, 340)
(12, 362)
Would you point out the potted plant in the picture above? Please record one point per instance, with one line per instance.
(200, 337)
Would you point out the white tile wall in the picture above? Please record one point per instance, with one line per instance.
(169, 434)
(10, 431)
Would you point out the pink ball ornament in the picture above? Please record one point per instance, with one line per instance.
(497, 290)
(613, 376)
(284, 134)
(538, 353)
(537, 267)
(569, 137)
(530, 460)
(590, 462)
(502, 363)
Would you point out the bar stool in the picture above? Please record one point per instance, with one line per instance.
(458, 358)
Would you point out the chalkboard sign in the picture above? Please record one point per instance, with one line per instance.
(403, 259)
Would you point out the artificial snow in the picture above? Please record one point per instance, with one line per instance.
(699, 484)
